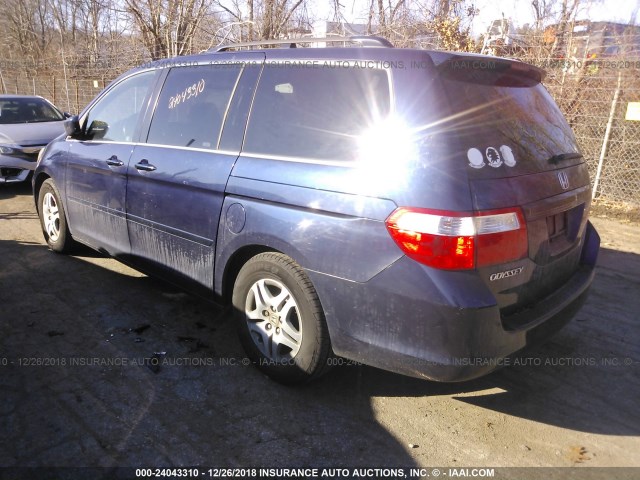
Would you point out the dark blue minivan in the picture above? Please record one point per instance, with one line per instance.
(421, 212)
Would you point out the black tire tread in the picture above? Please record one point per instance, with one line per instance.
(67, 244)
(322, 350)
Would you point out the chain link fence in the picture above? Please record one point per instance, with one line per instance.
(70, 94)
(594, 95)
(595, 101)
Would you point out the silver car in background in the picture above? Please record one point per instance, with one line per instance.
(27, 124)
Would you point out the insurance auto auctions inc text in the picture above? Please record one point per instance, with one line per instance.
(373, 472)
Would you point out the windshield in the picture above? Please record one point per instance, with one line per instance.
(28, 110)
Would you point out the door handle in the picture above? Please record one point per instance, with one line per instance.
(114, 161)
(145, 166)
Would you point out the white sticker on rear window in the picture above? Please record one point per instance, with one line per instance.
(507, 156)
(476, 160)
(495, 157)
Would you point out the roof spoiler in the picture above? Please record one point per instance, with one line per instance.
(491, 70)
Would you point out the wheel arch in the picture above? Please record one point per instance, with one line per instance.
(235, 263)
(37, 185)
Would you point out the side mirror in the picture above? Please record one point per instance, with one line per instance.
(97, 130)
(72, 126)
(66, 114)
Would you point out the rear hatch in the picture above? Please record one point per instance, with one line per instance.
(520, 152)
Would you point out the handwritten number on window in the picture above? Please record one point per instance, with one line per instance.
(192, 91)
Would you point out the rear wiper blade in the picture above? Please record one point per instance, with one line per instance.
(564, 156)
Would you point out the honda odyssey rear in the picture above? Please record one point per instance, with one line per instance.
(505, 251)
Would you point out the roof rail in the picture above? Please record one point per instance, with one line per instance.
(363, 40)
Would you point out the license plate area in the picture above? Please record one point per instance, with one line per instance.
(563, 229)
(557, 226)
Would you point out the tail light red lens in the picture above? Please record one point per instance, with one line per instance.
(459, 240)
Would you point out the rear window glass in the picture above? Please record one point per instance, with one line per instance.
(192, 105)
(507, 127)
(316, 113)
(28, 110)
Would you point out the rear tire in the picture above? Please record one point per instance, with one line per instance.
(280, 320)
(53, 218)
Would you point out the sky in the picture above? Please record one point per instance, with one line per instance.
(519, 10)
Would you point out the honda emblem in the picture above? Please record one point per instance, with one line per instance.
(563, 178)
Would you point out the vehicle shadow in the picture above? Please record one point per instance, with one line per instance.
(19, 216)
(127, 370)
(10, 190)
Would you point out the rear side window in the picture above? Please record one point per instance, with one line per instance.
(315, 113)
(192, 105)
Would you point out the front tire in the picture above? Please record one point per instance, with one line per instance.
(53, 219)
(280, 320)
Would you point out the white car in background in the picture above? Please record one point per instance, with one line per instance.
(27, 124)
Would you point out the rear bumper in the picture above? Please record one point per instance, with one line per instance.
(15, 169)
(442, 326)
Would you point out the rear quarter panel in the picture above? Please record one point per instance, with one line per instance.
(335, 233)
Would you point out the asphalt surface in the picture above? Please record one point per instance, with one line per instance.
(102, 366)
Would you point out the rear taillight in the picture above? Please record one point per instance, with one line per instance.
(459, 240)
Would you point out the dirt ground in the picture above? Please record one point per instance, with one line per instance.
(177, 391)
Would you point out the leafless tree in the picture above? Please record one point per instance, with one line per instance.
(568, 10)
(27, 25)
(65, 15)
(266, 19)
(542, 10)
(167, 27)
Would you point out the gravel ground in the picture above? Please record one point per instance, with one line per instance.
(102, 366)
